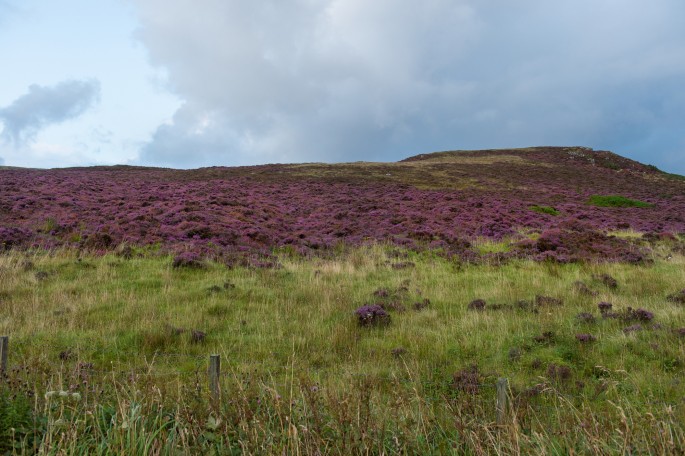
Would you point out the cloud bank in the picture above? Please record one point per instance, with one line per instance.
(45, 106)
(343, 80)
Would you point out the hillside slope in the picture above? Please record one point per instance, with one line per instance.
(444, 200)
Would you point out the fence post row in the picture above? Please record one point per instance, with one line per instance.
(4, 345)
(214, 372)
(501, 406)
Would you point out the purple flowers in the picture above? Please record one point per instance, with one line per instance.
(632, 328)
(372, 315)
(247, 209)
(585, 338)
(604, 307)
(585, 317)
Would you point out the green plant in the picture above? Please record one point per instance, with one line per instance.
(19, 428)
(616, 201)
(549, 210)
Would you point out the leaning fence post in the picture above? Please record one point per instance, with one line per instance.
(214, 371)
(502, 398)
(4, 346)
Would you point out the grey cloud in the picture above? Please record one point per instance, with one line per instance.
(347, 80)
(43, 106)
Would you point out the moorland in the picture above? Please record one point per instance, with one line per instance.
(357, 308)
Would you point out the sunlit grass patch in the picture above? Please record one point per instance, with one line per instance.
(484, 246)
(616, 201)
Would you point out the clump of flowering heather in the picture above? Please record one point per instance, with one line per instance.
(607, 280)
(572, 240)
(467, 380)
(543, 301)
(500, 306)
(559, 373)
(604, 307)
(477, 304)
(420, 305)
(642, 315)
(632, 328)
(98, 241)
(546, 337)
(189, 260)
(677, 297)
(372, 315)
(523, 304)
(583, 289)
(13, 237)
(680, 332)
(585, 317)
(585, 338)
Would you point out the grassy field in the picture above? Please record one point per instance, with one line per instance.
(109, 355)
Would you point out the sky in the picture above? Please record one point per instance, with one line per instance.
(187, 84)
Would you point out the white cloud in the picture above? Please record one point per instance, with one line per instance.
(44, 106)
(331, 80)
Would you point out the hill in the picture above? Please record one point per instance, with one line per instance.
(445, 335)
(444, 201)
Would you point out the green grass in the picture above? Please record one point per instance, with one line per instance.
(299, 375)
(616, 201)
(549, 210)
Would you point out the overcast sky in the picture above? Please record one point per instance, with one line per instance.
(183, 83)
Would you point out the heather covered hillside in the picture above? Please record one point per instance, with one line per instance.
(562, 204)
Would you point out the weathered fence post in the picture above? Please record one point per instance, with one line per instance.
(214, 371)
(4, 346)
(502, 399)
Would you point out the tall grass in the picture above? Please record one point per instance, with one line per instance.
(101, 350)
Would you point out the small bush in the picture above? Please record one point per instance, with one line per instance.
(477, 304)
(616, 201)
(604, 307)
(467, 380)
(632, 328)
(585, 317)
(559, 373)
(607, 280)
(677, 297)
(545, 301)
(585, 338)
(372, 315)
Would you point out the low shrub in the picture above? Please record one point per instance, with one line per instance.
(372, 315)
(189, 260)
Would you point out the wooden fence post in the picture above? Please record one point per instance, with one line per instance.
(4, 346)
(502, 399)
(214, 372)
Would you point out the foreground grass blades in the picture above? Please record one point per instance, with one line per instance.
(105, 355)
